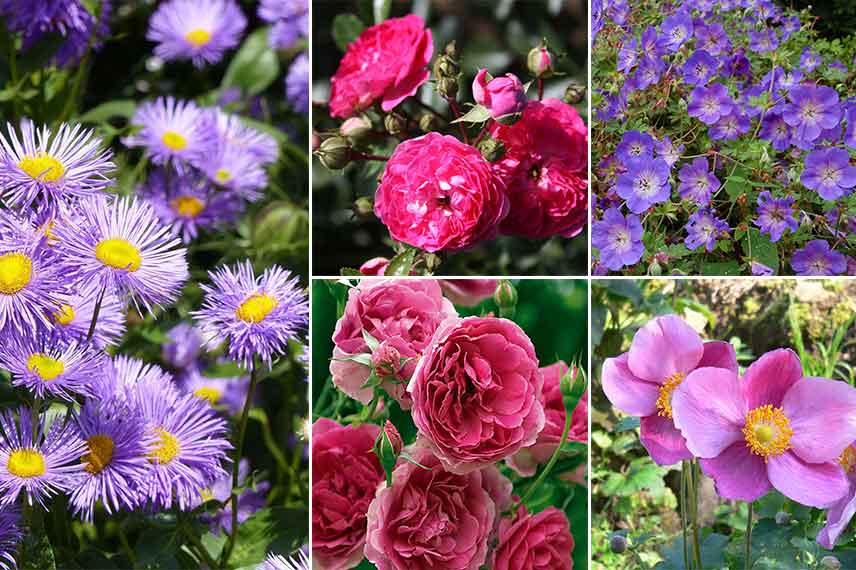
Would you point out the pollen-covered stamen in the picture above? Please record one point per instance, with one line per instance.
(45, 367)
(16, 272)
(664, 401)
(188, 206)
(209, 394)
(173, 140)
(767, 431)
(256, 308)
(198, 37)
(118, 254)
(26, 463)
(100, 453)
(65, 315)
(848, 459)
(42, 167)
(167, 448)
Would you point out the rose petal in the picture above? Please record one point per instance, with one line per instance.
(738, 473)
(628, 393)
(817, 485)
(663, 347)
(719, 354)
(709, 410)
(822, 414)
(663, 441)
(768, 379)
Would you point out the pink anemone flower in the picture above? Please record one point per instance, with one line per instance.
(838, 516)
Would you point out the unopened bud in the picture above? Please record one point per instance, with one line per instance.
(364, 207)
(655, 269)
(617, 544)
(394, 123)
(783, 518)
(491, 149)
(830, 563)
(505, 298)
(451, 49)
(386, 360)
(447, 87)
(446, 66)
(393, 437)
(428, 122)
(572, 384)
(356, 128)
(540, 61)
(334, 153)
(575, 93)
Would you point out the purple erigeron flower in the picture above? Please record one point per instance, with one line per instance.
(645, 183)
(227, 129)
(775, 215)
(812, 109)
(279, 562)
(73, 319)
(220, 393)
(198, 30)
(709, 104)
(635, 144)
(290, 19)
(700, 68)
(618, 239)
(703, 228)
(697, 182)
(172, 131)
(11, 536)
(828, 171)
(250, 500)
(183, 348)
(817, 258)
(297, 83)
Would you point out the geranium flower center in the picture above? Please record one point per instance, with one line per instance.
(767, 431)
(173, 140)
(211, 395)
(198, 37)
(26, 463)
(664, 401)
(848, 459)
(621, 239)
(222, 175)
(188, 206)
(45, 367)
(100, 453)
(819, 265)
(256, 307)
(42, 167)
(16, 271)
(167, 448)
(65, 315)
(118, 254)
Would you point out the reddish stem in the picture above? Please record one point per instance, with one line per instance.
(454, 105)
(540, 89)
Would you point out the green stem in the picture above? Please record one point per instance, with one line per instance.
(684, 514)
(198, 547)
(694, 513)
(95, 313)
(13, 72)
(749, 538)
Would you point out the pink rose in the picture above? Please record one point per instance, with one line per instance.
(503, 96)
(477, 393)
(431, 518)
(400, 313)
(468, 292)
(527, 460)
(534, 542)
(387, 63)
(545, 168)
(374, 266)
(345, 477)
(439, 194)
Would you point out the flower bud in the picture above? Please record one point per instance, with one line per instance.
(355, 128)
(387, 447)
(783, 518)
(617, 543)
(394, 123)
(428, 122)
(451, 49)
(393, 437)
(503, 96)
(540, 61)
(491, 149)
(505, 298)
(447, 87)
(830, 563)
(386, 360)
(572, 385)
(364, 207)
(334, 153)
(575, 93)
(655, 269)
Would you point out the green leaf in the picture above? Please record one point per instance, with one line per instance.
(346, 28)
(157, 547)
(255, 66)
(401, 264)
(712, 553)
(720, 269)
(269, 530)
(759, 248)
(124, 108)
(381, 8)
(478, 114)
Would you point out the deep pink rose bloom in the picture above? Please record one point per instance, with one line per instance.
(387, 63)
(528, 459)
(375, 266)
(773, 428)
(534, 542)
(641, 382)
(345, 477)
(468, 292)
(400, 313)
(438, 193)
(431, 518)
(838, 516)
(477, 392)
(501, 95)
(545, 168)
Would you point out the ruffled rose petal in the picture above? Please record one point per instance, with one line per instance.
(628, 393)
(664, 442)
(768, 379)
(822, 414)
(709, 410)
(738, 473)
(663, 347)
(719, 354)
(817, 485)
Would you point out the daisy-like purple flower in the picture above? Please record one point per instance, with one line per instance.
(618, 239)
(675, 32)
(709, 104)
(120, 244)
(227, 129)
(11, 536)
(115, 460)
(279, 562)
(730, 126)
(703, 228)
(828, 171)
(228, 393)
(817, 258)
(645, 183)
(257, 316)
(812, 109)
(771, 429)
(700, 68)
(698, 183)
(775, 215)
(290, 19)
(48, 367)
(124, 375)
(237, 169)
(172, 130)
(250, 500)
(48, 169)
(198, 30)
(297, 84)
(73, 319)
(635, 144)
(776, 130)
(183, 348)
(34, 462)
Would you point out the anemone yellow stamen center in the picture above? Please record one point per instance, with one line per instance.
(65, 315)
(222, 175)
(16, 271)
(26, 463)
(173, 140)
(188, 206)
(47, 368)
(42, 167)
(664, 400)
(198, 37)
(119, 254)
(100, 453)
(767, 431)
(256, 307)
(167, 448)
(212, 395)
(848, 459)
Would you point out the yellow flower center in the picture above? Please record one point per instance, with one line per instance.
(767, 431)
(26, 463)
(206, 494)
(65, 315)
(212, 395)
(664, 401)
(198, 37)
(222, 176)
(119, 254)
(167, 448)
(256, 307)
(848, 459)
(188, 206)
(173, 140)
(46, 367)
(100, 453)
(16, 271)
(42, 167)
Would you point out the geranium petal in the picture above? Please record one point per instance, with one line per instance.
(738, 473)
(664, 346)
(768, 379)
(709, 410)
(817, 485)
(822, 414)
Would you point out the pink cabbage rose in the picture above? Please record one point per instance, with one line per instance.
(545, 168)
(438, 193)
(642, 381)
(771, 429)
(527, 459)
(387, 63)
(468, 292)
(345, 476)
(534, 542)
(399, 313)
(431, 518)
(477, 393)
(503, 96)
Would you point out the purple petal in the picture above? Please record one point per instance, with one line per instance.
(709, 410)
(768, 379)
(837, 518)
(719, 354)
(664, 442)
(628, 393)
(822, 414)
(738, 473)
(663, 347)
(817, 485)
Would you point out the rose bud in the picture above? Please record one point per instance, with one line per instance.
(447, 87)
(394, 123)
(364, 207)
(334, 153)
(386, 360)
(427, 123)
(355, 128)
(575, 93)
(503, 96)
(374, 266)
(393, 438)
(540, 62)
(505, 297)
(491, 149)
